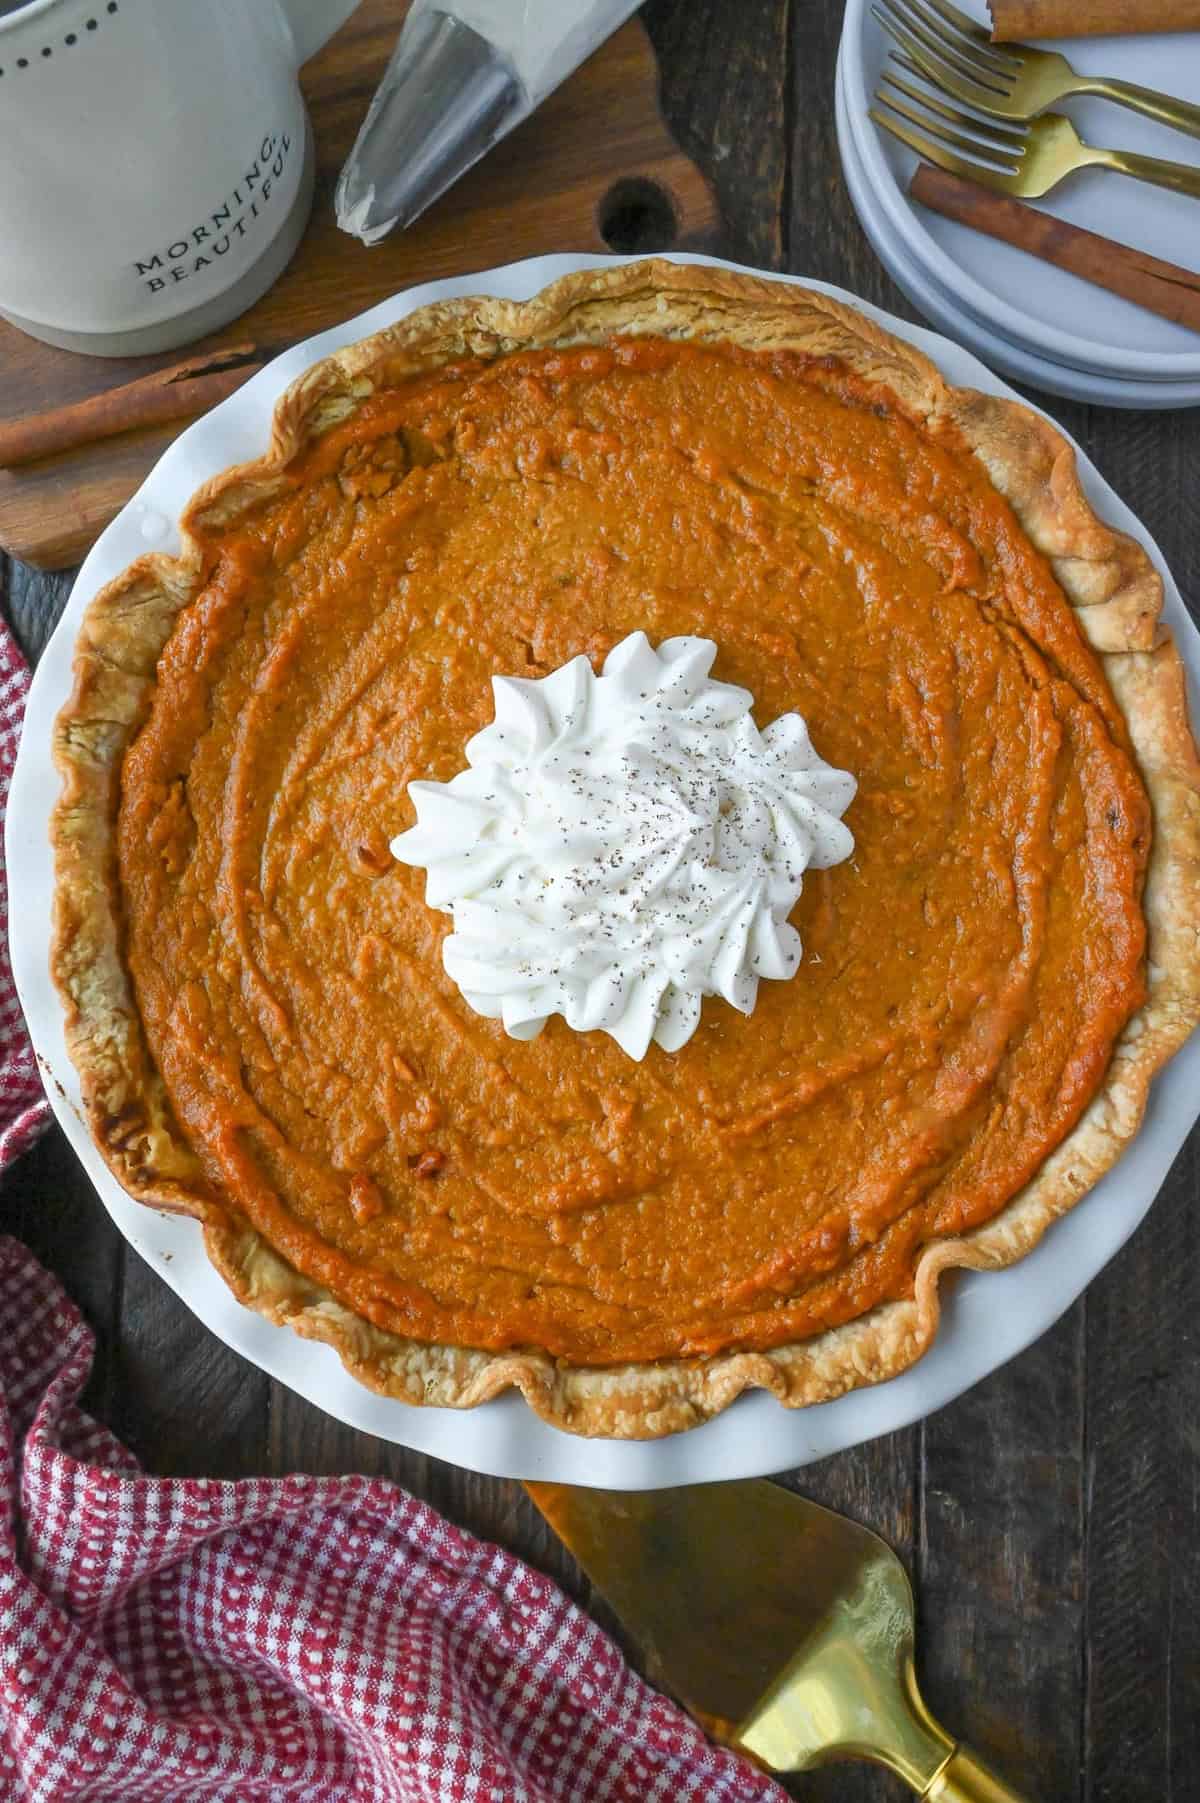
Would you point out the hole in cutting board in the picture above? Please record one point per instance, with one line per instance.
(637, 214)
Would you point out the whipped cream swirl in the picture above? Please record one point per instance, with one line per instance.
(623, 845)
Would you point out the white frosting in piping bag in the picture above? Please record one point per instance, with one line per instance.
(623, 845)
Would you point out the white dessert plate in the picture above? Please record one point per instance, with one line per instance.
(1029, 302)
(987, 1319)
(1018, 362)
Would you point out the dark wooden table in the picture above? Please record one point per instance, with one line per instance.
(1051, 1518)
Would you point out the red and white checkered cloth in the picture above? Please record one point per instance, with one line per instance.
(24, 1109)
(307, 1639)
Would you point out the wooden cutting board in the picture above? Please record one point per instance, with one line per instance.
(593, 169)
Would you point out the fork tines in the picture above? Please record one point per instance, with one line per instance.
(992, 146)
(949, 48)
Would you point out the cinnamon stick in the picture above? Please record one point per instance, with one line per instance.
(179, 392)
(1013, 20)
(1163, 288)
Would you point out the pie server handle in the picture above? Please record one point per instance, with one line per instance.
(965, 1779)
(846, 1706)
(937, 1768)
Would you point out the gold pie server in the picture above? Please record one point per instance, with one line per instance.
(785, 1629)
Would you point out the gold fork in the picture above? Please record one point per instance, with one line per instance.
(1010, 81)
(1027, 160)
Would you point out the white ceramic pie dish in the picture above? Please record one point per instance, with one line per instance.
(987, 1318)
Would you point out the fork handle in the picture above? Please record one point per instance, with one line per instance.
(1183, 178)
(1180, 114)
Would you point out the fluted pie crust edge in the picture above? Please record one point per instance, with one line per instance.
(1107, 577)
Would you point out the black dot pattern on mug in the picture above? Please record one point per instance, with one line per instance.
(69, 41)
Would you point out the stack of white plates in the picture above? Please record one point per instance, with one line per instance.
(1028, 320)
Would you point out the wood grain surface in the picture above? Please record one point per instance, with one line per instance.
(594, 168)
(1051, 1518)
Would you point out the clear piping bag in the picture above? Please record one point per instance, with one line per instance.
(463, 73)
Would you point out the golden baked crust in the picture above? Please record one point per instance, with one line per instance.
(1106, 576)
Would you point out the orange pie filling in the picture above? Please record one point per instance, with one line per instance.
(964, 975)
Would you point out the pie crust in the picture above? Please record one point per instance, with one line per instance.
(1107, 577)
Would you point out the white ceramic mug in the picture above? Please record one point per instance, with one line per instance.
(156, 163)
